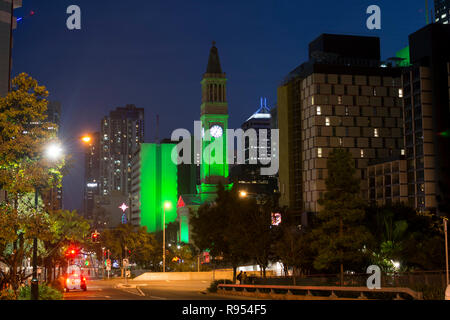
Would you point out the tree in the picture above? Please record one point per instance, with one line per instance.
(402, 234)
(218, 227)
(23, 136)
(340, 238)
(257, 230)
(292, 246)
(134, 243)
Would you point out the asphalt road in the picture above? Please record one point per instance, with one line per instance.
(147, 290)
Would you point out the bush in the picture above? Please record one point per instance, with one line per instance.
(214, 284)
(7, 294)
(58, 285)
(45, 293)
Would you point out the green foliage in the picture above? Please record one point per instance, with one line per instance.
(45, 293)
(7, 294)
(340, 237)
(221, 228)
(292, 245)
(214, 284)
(404, 235)
(143, 246)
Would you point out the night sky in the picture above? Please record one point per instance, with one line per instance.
(153, 53)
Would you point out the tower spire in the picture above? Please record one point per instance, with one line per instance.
(213, 61)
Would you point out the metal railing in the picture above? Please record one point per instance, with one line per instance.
(329, 292)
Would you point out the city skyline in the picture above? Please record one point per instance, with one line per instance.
(266, 53)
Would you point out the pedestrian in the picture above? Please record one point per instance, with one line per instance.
(244, 278)
(239, 277)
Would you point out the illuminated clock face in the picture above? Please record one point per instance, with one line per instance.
(216, 131)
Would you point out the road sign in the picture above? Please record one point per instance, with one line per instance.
(108, 264)
(125, 262)
(127, 273)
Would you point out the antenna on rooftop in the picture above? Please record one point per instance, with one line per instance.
(157, 128)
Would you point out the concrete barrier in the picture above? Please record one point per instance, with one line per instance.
(200, 276)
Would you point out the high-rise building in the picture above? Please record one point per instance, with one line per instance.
(154, 182)
(6, 41)
(121, 134)
(247, 177)
(343, 97)
(91, 176)
(426, 104)
(260, 120)
(442, 11)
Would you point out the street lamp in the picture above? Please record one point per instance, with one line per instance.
(446, 250)
(167, 205)
(53, 152)
(243, 194)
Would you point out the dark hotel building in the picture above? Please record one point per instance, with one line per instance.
(344, 96)
(426, 86)
(442, 11)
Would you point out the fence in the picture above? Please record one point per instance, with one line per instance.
(319, 292)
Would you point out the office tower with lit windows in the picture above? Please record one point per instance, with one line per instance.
(343, 97)
(121, 134)
(442, 11)
(247, 177)
(426, 89)
(91, 176)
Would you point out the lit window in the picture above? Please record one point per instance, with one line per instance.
(374, 91)
(312, 100)
(319, 152)
(362, 153)
(375, 133)
(346, 111)
(340, 141)
(327, 121)
(340, 100)
(402, 152)
(400, 93)
(318, 111)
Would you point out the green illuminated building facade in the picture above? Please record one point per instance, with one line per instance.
(404, 54)
(154, 181)
(214, 119)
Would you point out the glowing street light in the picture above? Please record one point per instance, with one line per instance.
(167, 205)
(243, 194)
(86, 139)
(54, 151)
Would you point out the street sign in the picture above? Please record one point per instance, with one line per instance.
(108, 264)
(127, 273)
(125, 262)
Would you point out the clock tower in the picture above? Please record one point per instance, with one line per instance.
(214, 120)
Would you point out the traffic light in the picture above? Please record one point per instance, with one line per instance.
(72, 252)
(95, 236)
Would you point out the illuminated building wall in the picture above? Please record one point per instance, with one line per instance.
(154, 181)
(404, 54)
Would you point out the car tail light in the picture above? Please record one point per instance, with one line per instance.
(68, 280)
(84, 279)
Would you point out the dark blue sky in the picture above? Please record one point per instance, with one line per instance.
(153, 53)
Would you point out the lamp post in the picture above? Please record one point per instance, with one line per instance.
(52, 152)
(167, 205)
(446, 250)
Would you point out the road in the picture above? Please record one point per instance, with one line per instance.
(147, 290)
